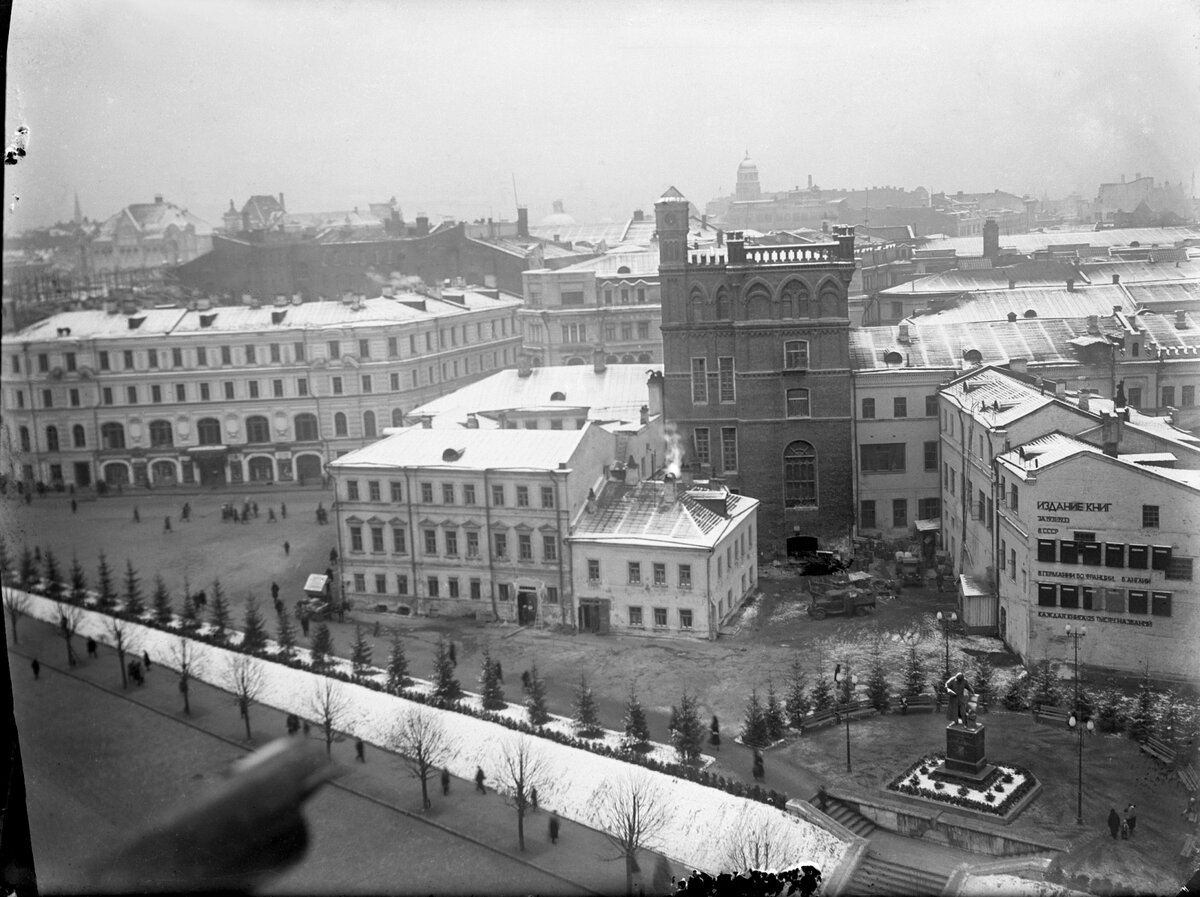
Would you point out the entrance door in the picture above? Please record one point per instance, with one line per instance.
(589, 617)
(211, 469)
(526, 607)
(83, 473)
(308, 469)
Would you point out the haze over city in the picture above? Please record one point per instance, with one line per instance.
(600, 105)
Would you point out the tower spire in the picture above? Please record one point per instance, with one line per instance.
(78, 219)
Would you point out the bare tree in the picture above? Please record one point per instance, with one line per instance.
(122, 641)
(69, 617)
(757, 846)
(420, 739)
(328, 704)
(245, 679)
(631, 814)
(522, 769)
(183, 653)
(16, 602)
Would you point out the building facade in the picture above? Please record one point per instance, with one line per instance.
(662, 558)
(232, 394)
(147, 235)
(757, 372)
(466, 522)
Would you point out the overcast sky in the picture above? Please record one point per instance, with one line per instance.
(441, 103)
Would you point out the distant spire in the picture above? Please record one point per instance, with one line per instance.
(78, 219)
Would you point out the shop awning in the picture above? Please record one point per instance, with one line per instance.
(929, 525)
(208, 449)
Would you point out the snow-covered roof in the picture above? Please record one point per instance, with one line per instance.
(648, 514)
(514, 450)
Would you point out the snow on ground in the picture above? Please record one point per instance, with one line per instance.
(1011, 886)
(702, 823)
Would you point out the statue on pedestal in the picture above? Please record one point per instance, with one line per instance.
(957, 687)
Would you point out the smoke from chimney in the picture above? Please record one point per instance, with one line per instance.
(674, 450)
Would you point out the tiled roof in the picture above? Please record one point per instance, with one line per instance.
(1047, 302)
(1100, 239)
(640, 514)
(468, 450)
(617, 395)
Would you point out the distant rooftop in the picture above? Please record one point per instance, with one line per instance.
(1100, 240)
(467, 450)
(1038, 454)
(645, 514)
(1044, 302)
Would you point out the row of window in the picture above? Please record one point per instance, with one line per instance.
(795, 358)
(448, 493)
(683, 577)
(637, 619)
(1112, 601)
(799, 464)
(899, 407)
(450, 546)
(453, 589)
(927, 508)
(891, 457)
(576, 298)
(1092, 553)
(1187, 396)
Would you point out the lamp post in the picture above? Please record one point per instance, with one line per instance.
(1075, 721)
(946, 620)
(839, 677)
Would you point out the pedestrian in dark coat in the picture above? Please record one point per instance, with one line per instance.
(287, 548)
(146, 660)
(137, 518)
(167, 524)
(759, 772)
(533, 799)
(293, 724)
(271, 515)
(525, 681)
(278, 608)
(445, 781)
(939, 578)
(274, 590)
(91, 647)
(479, 777)
(283, 510)
(333, 555)
(1114, 823)
(1131, 818)
(715, 738)
(553, 828)
(453, 655)
(359, 750)
(304, 624)
(37, 668)
(255, 508)
(74, 506)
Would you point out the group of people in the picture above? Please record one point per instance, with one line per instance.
(1122, 827)
(249, 509)
(532, 798)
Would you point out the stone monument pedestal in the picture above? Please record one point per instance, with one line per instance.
(966, 754)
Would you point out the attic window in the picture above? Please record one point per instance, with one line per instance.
(278, 316)
(452, 454)
(973, 355)
(1030, 313)
(207, 320)
(558, 397)
(893, 358)
(136, 322)
(624, 269)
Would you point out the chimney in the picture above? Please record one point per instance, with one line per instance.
(1060, 389)
(590, 507)
(1018, 365)
(1012, 317)
(427, 422)
(1094, 324)
(1116, 278)
(632, 474)
(598, 361)
(704, 222)
(644, 414)
(158, 199)
(281, 203)
(991, 239)
(522, 221)
(422, 224)
(810, 182)
(1012, 283)
(668, 490)
(903, 336)
(1070, 284)
(720, 238)
(1110, 434)
(1085, 403)
(524, 366)
(472, 422)
(297, 299)
(1180, 319)
(655, 387)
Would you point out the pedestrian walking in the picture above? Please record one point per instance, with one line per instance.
(479, 777)
(445, 781)
(1131, 818)
(333, 556)
(715, 738)
(146, 659)
(287, 548)
(254, 508)
(137, 518)
(74, 506)
(29, 498)
(167, 524)
(293, 724)
(453, 655)
(759, 772)
(187, 511)
(274, 590)
(37, 668)
(91, 647)
(271, 515)
(499, 672)
(376, 629)
(307, 728)
(304, 624)
(525, 681)
(278, 608)
(283, 510)
(533, 798)
(553, 828)
(939, 578)
(1114, 823)
(359, 749)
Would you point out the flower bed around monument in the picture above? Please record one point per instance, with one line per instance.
(997, 793)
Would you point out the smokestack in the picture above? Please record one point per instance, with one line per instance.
(1093, 324)
(668, 490)
(598, 364)
(1116, 278)
(524, 366)
(654, 386)
(281, 203)
(522, 221)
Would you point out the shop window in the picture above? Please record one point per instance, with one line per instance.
(1087, 597)
(1091, 554)
(1160, 604)
(1068, 596)
(1114, 554)
(1068, 552)
(1047, 594)
(1179, 569)
(1114, 601)
(1160, 557)
(1045, 551)
(1139, 557)
(1139, 601)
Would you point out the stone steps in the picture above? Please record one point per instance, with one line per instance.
(877, 876)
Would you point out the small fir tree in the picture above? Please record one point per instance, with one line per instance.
(219, 613)
(254, 635)
(984, 680)
(135, 604)
(797, 704)
(1016, 696)
(78, 593)
(446, 688)
(1110, 711)
(535, 699)
(1044, 687)
(1141, 726)
(845, 688)
(286, 635)
(27, 569)
(162, 601)
(104, 583)
(490, 688)
(637, 730)
(754, 730)
(687, 734)
(878, 690)
(1167, 720)
(53, 575)
(915, 679)
(397, 670)
(189, 617)
(822, 693)
(773, 713)
(586, 715)
(360, 653)
(321, 648)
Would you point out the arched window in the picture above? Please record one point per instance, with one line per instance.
(644, 358)
(1030, 313)
(893, 358)
(79, 436)
(558, 397)
(800, 476)
(724, 311)
(974, 356)
(306, 427)
(52, 439)
(574, 359)
(758, 303)
(611, 359)
(397, 417)
(339, 424)
(626, 359)
(795, 355)
(695, 311)
(797, 403)
(258, 429)
(208, 431)
(795, 300)
(624, 269)
(369, 423)
(26, 445)
(112, 435)
(161, 433)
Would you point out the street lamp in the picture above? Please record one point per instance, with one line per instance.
(840, 677)
(946, 621)
(1075, 634)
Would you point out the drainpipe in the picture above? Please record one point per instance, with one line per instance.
(33, 424)
(97, 442)
(337, 517)
(563, 547)
(996, 534)
(487, 519)
(412, 537)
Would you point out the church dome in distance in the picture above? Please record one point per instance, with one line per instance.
(558, 218)
(747, 164)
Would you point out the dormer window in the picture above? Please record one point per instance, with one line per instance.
(893, 358)
(974, 356)
(558, 397)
